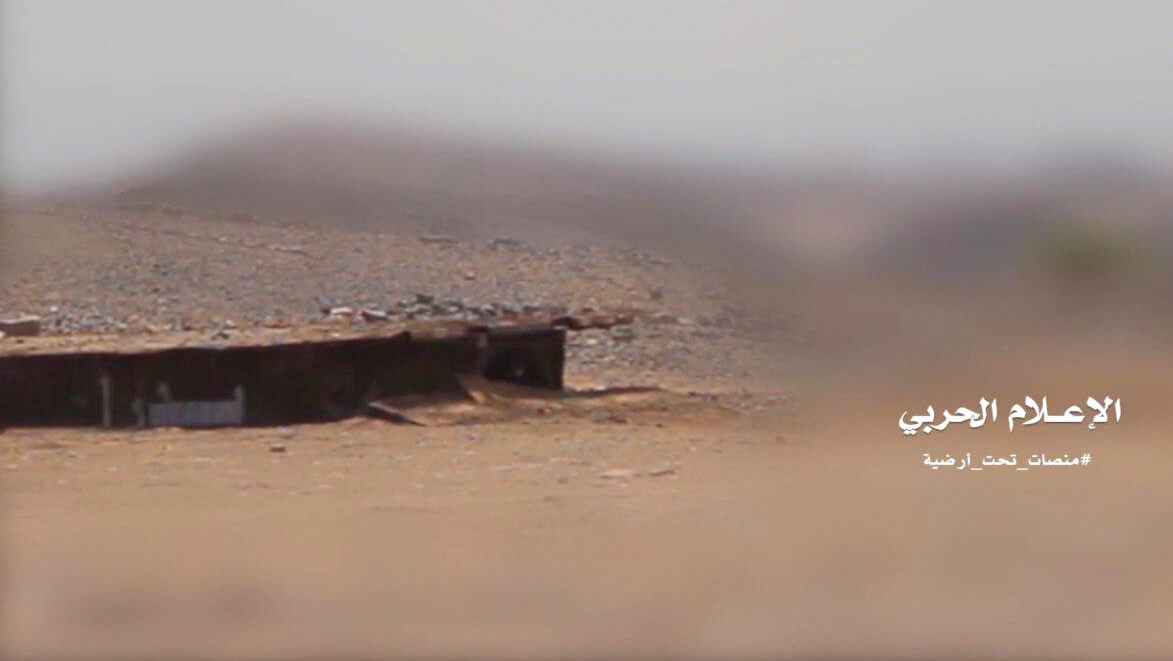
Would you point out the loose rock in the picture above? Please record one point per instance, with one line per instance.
(622, 333)
(504, 242)
(26, 326)
(619, 474)
(662, 469)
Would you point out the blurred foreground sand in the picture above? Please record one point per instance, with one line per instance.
(812, 528)
(811, 532)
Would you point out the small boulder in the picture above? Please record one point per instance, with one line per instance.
(25, 326)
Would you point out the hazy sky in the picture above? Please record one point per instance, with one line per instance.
(102, 87)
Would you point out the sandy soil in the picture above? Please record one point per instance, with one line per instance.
(647, 524)
(749, 508)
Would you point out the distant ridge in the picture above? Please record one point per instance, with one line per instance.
(358, 177)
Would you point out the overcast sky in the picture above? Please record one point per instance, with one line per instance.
(99, 88)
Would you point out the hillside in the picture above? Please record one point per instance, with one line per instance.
(362, 178)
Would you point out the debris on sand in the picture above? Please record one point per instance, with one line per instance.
(382, 411)
(622, 334)
(603, 416)
(504, 242)
(619, 474)
(294, 250)
(660, 470)
(24, 326)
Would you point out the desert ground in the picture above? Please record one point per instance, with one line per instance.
(757, 500)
